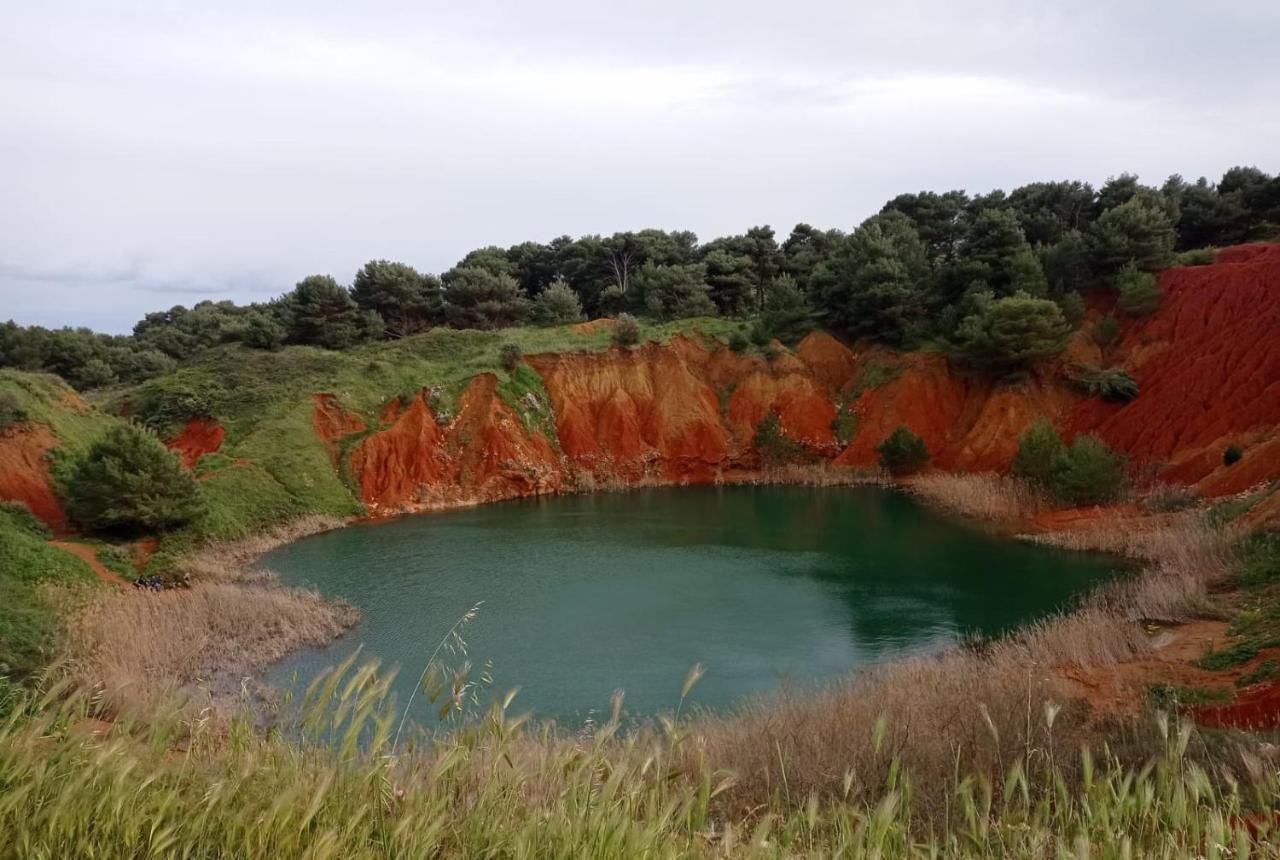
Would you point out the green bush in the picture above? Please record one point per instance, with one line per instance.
(1039, 453)
(1138, 293)
(20, 516)
(1086, 472)
(1232, 455)
(903, 452)
(774, 446)
(11, 412)
(1106, 331)
(1011, 333)
(738, 341)
(1109, 383)
(1195, 257)
(509, 356)
(128, 481)
(558, 304)
(626, 331)
(1090, 473)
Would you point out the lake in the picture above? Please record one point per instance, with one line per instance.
(584, 595)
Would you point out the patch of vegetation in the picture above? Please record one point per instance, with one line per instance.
(509, 356)
(1171, 697)
(1137, 292)
(903, 452)
(1086, 472)
(1195, 257)
(775, 447)
(725, 395)
(1106, 331)
(11, 412)
(845, 424)
(1109, 383)
(1232, 454)
(523, 391)
(128, 481)
(626, 331)
(1266, 672)
(27, 622)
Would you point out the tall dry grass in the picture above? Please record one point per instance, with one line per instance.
(984, 496)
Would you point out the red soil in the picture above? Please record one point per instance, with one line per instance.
(201, 436)
(24, 473)
(1208, 366)
(332, 422)
(90, 557)
(1257, 708)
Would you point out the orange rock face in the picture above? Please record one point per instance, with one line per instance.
(332, 422)
(24, 473)
(201, 436)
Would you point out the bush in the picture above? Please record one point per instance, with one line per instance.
(1232, 455)
(509, 355)
(1109, 383)
(128, 481)
(1090, 472)
(626, 331)
(557, 305)
(774, 446)
(1195, 257)
(1039, 453)
(11, 412)
(1011, 333)
(1138, 292)
(738, 341)
(1086, 472)
(611, 300)
(1106, 331)
(1170, 498)
(20, 515)
(903, 452)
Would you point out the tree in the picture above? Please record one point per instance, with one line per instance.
(937, 219)
(557, 304)
(1208, 217)
(261, 331)
(803, 252)
(786, 313)
(1135, 231)
(128, 481)
(1039, 455)
(1049, 210)
(626, 331)
(322, 313)
(1090, 473)
(407, 300)
(1138, 293)
(1011, 333)
(762, 250)
(1068, 263)
(902, 452)
(1026, 274)
(673, 292)
(996, 252)
(875, 285)
(478, 298)
(728, 277)
(509, 356)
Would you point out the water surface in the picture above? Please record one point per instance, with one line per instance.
(583, 595)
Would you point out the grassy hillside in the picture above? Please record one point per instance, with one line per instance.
(272, 465)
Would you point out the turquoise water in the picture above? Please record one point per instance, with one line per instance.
(764, 586)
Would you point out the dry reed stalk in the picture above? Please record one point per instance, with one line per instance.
(985, 496)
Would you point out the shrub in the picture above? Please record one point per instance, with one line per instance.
(903, 452)
(1170, 498)
(738, 341)
(11, 412)
(626, 331)
(611, 300)
(1011, 333)
(774, 446)
(1195, 257)
(1139, 294)
(1039, 453)
(129, 481)
(1072, 308)
(1106, 331)
(1232, 455)
(509, 355)
(557, 304)
(1109, 383)
(1090, 472)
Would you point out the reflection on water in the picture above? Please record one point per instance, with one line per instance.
(587, 594)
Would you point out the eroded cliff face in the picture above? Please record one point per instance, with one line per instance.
(1208, 364)
(25, 475)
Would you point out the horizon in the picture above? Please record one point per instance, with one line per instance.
(163, 156)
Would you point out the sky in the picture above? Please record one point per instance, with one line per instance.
(155, 154)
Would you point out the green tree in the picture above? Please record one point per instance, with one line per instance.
(1138, 293)
(1137, 231)
(407, 300)
(786, 313)
(1090, 472)
(1068, 263)
(1011, 333)
(320, 312)
(938, 219)
(129, 481)
(510, 356)
(728, 276)
(1049, 210)
(902, 451)
(261, 331)
(557, 304)
(626, 331)
(673, 292)
(996, 252)
(1040, 452)
(803, 252)
(477, 298)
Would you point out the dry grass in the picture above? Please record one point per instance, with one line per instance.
(988, 497)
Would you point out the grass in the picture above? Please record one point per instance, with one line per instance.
(1255, 623)
(332, 785)
(983, 496)
(28, 621)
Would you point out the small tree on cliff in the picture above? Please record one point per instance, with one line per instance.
(129, 481)
(1011, 333)
(1039, 453)
(321, 312)
(626, 331)
(903, 452)
(557, 304)
(1137, 292)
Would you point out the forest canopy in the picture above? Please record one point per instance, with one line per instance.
(942, 268)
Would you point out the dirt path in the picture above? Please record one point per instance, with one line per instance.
(91, 558)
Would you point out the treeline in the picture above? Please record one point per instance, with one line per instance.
(996, 278)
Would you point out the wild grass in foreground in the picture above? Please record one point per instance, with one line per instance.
(337, 786)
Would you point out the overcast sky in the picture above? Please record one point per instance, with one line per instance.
(154, 154)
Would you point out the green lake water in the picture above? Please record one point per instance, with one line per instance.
(584, 595)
